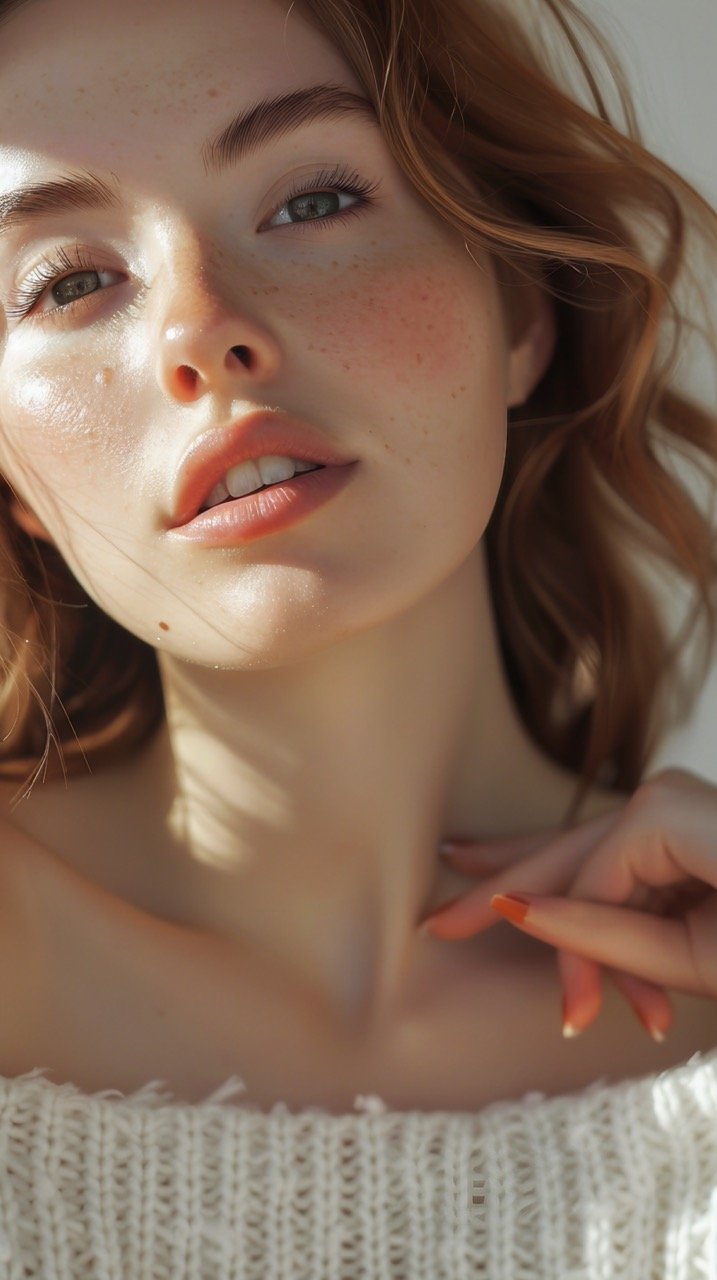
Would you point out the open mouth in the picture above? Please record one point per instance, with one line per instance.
(234, 521)
(275, 484)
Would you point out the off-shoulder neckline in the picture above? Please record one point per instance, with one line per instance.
(156, 1095)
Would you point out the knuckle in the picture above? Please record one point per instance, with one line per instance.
(654, 798)
(648, 789)
(670, 776)
(651, 792)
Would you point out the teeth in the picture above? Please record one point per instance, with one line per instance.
(249, 476)
(243, 479)
(218, 494)
(273, 470)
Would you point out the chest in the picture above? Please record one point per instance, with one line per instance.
(128, 1003)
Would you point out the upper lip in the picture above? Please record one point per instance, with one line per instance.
(256, 435)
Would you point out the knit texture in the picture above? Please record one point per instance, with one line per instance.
(613, 1181)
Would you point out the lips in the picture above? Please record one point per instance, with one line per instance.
(257, 435)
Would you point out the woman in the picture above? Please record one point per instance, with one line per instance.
(271, 710)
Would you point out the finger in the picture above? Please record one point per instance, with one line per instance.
(581, 982)
(582, 996)
(659, 839)
(471, 913)
(656, 948)
(549, 870)
(480, 856)
(564, 849)
(650, 1002)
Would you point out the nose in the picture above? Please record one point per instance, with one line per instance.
(210, 342)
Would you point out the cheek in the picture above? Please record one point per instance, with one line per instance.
(399, 319)
(61, 422)
(424, 351)
(418, 359)
(414, 333)
(408, 333)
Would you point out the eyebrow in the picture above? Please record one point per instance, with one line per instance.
(245, 134)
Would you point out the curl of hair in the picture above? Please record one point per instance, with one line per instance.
(76, 689)
(476, 108)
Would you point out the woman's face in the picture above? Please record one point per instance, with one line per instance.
(374, 326)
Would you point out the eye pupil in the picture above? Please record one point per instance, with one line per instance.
(311, 204)
(75, 285)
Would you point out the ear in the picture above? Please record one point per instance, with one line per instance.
(532, 347)
(28, 521)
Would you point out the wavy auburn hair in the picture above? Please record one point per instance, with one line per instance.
(475, 103)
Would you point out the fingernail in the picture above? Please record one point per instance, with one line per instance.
(569, 1028)
(514, 906)
(650, 1027)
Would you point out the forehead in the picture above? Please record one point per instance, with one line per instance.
(91, 81)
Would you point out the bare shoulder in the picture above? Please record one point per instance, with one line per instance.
(17, 852)
(21, 851)
(35, 871)
(23, 960)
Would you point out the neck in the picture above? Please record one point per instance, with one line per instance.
(311, 798)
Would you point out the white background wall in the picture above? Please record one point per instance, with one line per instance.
(669, 50)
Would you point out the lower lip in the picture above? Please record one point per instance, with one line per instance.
(232, 524)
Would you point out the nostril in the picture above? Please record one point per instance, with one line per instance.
(187, 376)
(243, 354)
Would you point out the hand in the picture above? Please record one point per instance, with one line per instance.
(658, 853)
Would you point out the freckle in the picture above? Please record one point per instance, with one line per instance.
(212, 93)
(164, 626)
(419, 358)
(105, 376)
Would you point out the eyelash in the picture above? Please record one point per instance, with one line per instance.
(47, 272)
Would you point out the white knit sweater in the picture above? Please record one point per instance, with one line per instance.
(613, 1181)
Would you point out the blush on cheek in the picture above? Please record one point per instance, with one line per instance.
(407, 323)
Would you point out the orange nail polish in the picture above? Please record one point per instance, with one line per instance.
(514, 906)
(568, 1028)
(650, 1027)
